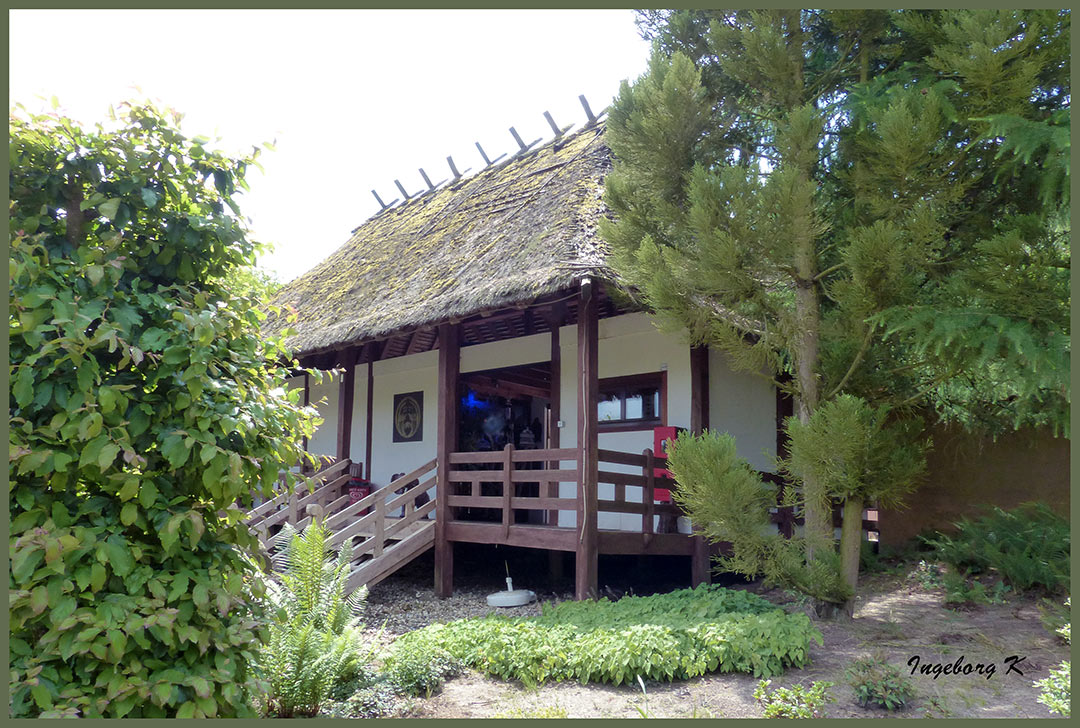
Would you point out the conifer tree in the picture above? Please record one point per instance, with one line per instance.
(854, 203)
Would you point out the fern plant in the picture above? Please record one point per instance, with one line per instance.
(315, 636)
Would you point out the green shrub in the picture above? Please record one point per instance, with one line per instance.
(420, 667)
(1028, 546)
(876, 682)
(671, 636)
(795, 702)
(315, 637)
(144, 406)
(1056, 690)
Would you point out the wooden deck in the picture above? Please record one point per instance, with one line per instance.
(512, 497)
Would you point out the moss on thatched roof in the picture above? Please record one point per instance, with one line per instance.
(506, 235)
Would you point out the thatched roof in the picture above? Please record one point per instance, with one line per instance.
(511, 233)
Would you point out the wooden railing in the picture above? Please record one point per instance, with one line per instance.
(318, 490)
(648, 481)
(490, 479)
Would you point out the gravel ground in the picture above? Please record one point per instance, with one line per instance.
(406, 601)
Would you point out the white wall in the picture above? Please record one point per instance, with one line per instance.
(413, 373)
(743, 405)
(324, 441)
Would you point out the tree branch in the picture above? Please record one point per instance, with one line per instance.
(854, 362)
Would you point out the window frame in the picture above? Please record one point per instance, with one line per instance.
(623, 384)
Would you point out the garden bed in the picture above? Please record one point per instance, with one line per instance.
(899, 617)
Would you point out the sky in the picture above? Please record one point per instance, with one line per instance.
(351, 99)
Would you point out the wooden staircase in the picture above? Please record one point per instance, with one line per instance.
(382, 543)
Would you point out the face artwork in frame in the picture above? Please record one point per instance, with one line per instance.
(409, 417)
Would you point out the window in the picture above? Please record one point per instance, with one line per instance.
(636, 402)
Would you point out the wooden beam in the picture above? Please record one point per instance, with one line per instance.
(699, 389)
(588, 385)
(345, 404)
(449, 367)
(370, 409)
(555, 319)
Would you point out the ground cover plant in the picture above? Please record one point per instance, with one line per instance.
(1028, 547)
(664, 637)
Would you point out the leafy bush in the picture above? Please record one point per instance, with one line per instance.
(1029, 546)
(1056, 690)
(794, 702)
(671, 636)
(876, 682)
(420, 669)
(315, 637)
(144, 406)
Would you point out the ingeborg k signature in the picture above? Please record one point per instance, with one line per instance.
(961, 667)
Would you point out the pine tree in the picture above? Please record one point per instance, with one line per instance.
(845, 201)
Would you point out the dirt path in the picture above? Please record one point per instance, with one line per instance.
(893, 618)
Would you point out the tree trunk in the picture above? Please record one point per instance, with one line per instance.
(818, 521)
(850, 547)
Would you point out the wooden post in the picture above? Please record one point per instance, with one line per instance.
(555, 321)
(699, 389)
(370, 409)
(508, 488)
(585, 576)
(648, 497)
(449, 366)
(345, 406)
(700, 573)
(380, 525)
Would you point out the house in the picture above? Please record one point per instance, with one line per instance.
(484, 344)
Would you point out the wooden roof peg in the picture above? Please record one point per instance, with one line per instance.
(555, 127)
(522, 146)
(454, 169)
(588, 111)
(488, 162)
(405, 194)
(427, 181)
(383, 205)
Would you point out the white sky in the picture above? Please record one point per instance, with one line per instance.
(354, 99)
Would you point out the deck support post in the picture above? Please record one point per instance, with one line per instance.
(447, 427)
(345, 405)
(585, 573)
(369, 409)
(700, 573)
(555, 321)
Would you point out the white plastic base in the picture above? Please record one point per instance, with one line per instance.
(515, 598)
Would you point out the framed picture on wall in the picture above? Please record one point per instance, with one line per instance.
(409, 417)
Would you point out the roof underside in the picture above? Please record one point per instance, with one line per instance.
(508, 236)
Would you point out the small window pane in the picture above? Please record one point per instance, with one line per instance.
(645, 403)
(609, 407)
